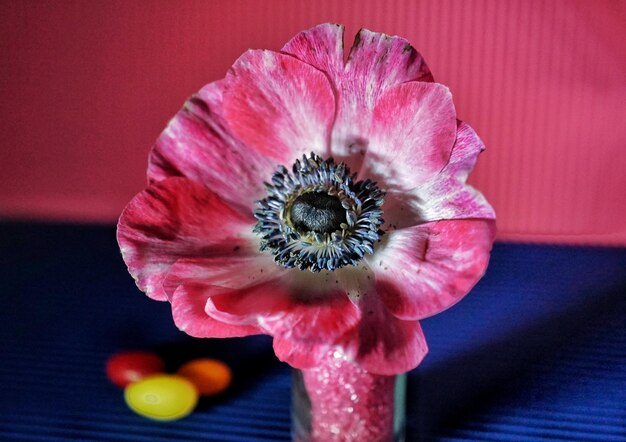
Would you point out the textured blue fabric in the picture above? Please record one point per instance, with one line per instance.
(536, 352)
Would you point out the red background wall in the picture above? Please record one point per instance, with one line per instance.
(86, 87)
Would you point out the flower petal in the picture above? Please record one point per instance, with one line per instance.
(303, 327)
(465, 151)
(279, 106)
(188, 310)
(425, 269)
(198, 144)
(223, 271)
(173, 219)
(376, 63)
(316, 321)
(321, 47)
(299, 318)
(413, 131)
(383, 344)
(447, 196)
(300, 354)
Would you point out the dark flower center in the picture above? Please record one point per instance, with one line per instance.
(318, 217)
(317, 212)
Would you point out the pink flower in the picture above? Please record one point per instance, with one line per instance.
(294, 153)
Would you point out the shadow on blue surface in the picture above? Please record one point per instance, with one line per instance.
(536, 365)
(535, 352)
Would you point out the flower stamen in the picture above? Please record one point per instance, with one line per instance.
(317, 217)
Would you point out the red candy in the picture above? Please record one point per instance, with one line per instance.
(131, 366)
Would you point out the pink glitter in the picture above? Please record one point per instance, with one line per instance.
(348, 404)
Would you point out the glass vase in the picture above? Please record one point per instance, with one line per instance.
(337, 401)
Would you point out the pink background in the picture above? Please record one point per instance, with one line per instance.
(86, 87)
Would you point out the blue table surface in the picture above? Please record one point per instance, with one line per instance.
(537, 351)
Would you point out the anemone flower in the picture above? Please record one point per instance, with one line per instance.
(320, 201)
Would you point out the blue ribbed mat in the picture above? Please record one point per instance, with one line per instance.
(537, 352)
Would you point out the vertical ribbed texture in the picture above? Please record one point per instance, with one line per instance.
(87, 87)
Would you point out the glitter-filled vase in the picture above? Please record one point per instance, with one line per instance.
(337, 401)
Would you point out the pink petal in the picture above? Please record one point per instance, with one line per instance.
(376, 63)
(198, 144)
(293, 317)
(316, 321)
(465, 151)
(223, 271)
(383, 61)
(300, 354)
(425, 269)
(246, 305)
(383, 344)
(413, 131)
(279, 106)
(173, 219)
(446, 196)
(188, 310)
(321, 47)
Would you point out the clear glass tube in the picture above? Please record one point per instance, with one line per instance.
(339, 402)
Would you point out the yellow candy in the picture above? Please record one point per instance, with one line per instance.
(162, 397)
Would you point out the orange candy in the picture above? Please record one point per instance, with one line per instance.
(209, 376)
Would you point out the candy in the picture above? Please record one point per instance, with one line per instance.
(162, 397)
(210, 376)
(126, 367)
